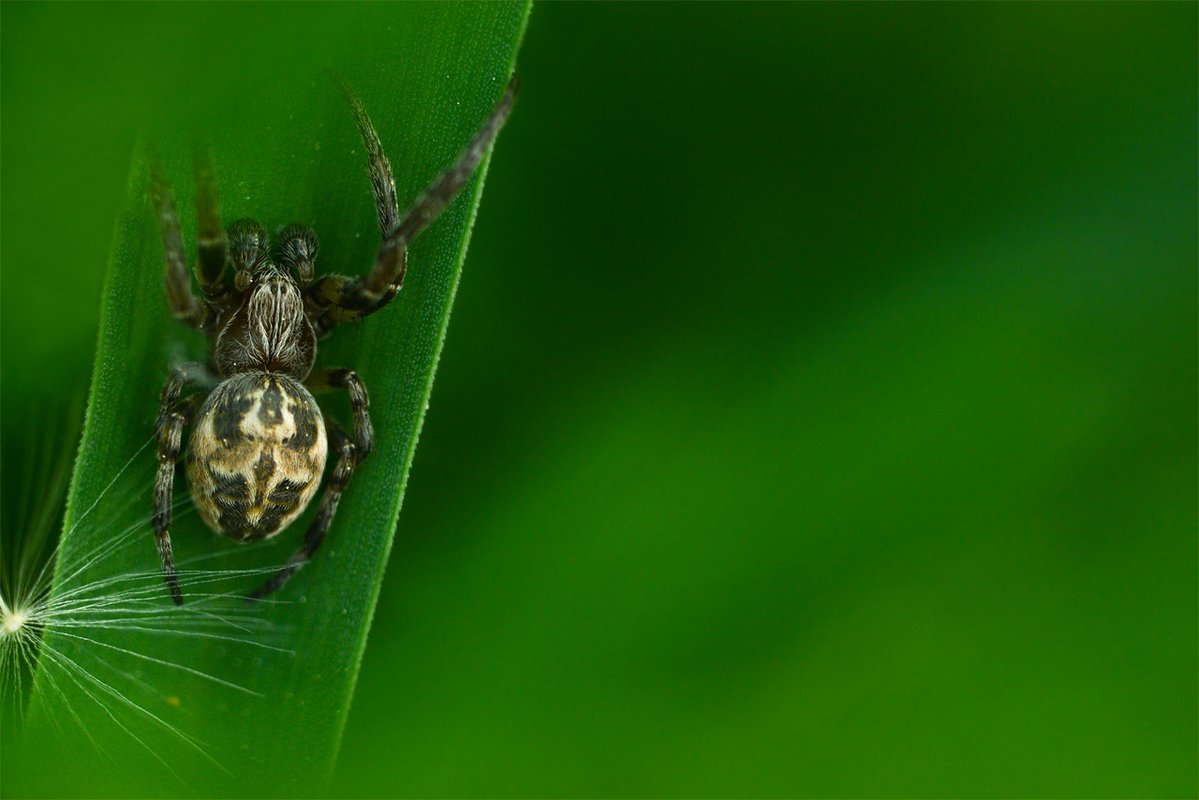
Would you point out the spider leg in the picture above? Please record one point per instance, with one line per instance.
(344, 299)
(180, 297)
(351, 453)
(210, 265)
(173, 416)
(382, 182)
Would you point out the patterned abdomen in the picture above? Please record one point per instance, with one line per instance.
(256, 455)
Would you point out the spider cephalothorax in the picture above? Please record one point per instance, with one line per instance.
(260, 441)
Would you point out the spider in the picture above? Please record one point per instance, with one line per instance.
(259, 442)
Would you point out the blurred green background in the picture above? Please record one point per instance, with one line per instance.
(818, 411)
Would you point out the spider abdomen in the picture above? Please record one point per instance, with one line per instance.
(256, 455)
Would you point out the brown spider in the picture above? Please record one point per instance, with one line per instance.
(260, 441)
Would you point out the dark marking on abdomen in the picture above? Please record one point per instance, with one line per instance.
(264, 468)
(306, 422)
(232, 497)
(228, 414)
(282, 502)
(270, 410)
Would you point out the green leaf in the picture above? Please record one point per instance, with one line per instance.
(253, 699)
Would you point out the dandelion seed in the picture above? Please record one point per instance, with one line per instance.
(68, 637)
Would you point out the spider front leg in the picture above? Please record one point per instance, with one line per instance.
(350, 453)
(344, 299)
(182, 301)
(173, 416)
(210, 265)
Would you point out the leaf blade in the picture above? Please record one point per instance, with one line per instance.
(326, 626)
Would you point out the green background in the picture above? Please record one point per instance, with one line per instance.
(818, 410)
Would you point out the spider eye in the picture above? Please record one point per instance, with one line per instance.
(243, 279)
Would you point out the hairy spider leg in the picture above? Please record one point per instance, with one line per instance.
(350, 455)
(379, 167)
(346, 299)
(183, 302)
(212, 259)
(173, 416)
